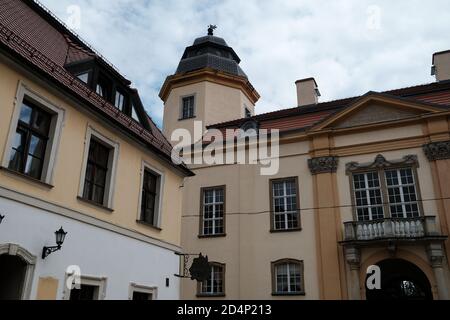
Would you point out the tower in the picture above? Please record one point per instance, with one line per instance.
(208, 86)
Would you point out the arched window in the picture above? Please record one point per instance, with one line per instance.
(287, 277)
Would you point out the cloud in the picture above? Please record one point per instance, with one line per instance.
(350, 47)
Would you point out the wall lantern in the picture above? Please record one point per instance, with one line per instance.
(60, 236)
(1, 218)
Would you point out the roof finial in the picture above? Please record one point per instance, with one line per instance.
(211, 29)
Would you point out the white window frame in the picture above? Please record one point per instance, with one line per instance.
(212, 278)
(285, 196)
(400, 187)
(214, 219)
(99, 282)
(153, 290)
(56, 125)
(371, 207)
(160, 187)
(108, 199)
(194, 110)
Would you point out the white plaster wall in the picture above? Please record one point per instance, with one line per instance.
(98, 252)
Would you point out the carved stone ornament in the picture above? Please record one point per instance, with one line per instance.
(437, 150)
(323, 164)
(381, 162)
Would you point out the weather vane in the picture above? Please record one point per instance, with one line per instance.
(211, 29)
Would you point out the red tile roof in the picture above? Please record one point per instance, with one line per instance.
(32, 35)
(436, 93)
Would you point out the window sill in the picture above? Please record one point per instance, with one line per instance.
(288, 294)
(286, 230)
(222, 235)
(147, 224)
(95, 204)
(190, 118)
(205, 295)
(26, 177)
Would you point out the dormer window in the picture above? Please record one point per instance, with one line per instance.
(103, 87)
(119, 101)
(134, 113)
(248, 113)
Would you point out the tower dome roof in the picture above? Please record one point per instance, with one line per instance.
(210, 52)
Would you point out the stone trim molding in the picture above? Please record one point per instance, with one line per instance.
(353, 257)
(437, 150)
(16, 250)
(381, 162)
(323, 164)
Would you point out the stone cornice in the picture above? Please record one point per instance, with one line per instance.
(323, 164)
(208, 74)
(437, 150)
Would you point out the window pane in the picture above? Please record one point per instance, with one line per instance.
(120, 99)
(213, 211)
(83, 77)
(25, 113)
(37, 147)
(33, 167)
(16, 161)
(41, 121)
(96, 172)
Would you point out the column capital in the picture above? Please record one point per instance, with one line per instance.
(353, 257)
(323, 164)
(437, 150)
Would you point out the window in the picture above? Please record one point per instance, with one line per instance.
(215, 285)
(213, 211)
(368, 196)
(119, 101)
(142, 293)
(90, 288)
(84, 293)
(96, 172)
(33, 136)
(248, 113)
(30, 141)
(402, 193)
(285, 213)
(83, 77)
(150, 198)
(287, 277)
(103, 88)
(385, 189)
(188, 107)
(99, 167)
(134, 114)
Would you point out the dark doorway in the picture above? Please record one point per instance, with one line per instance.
(12, 277)
(401, 280)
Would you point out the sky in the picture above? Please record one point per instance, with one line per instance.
(349, 46)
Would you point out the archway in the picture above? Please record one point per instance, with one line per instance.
(401, 280)
(16, 272)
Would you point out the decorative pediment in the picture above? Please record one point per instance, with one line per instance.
(380, 162)
(375, 108)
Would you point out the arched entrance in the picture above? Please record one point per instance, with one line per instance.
(16, 272)
(401, 280)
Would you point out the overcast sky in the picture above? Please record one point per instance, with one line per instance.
(350, 47)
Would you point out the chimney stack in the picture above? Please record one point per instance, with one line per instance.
(441, 65)
(307, 92)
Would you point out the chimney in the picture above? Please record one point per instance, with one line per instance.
(307, 92)
(441, 65)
